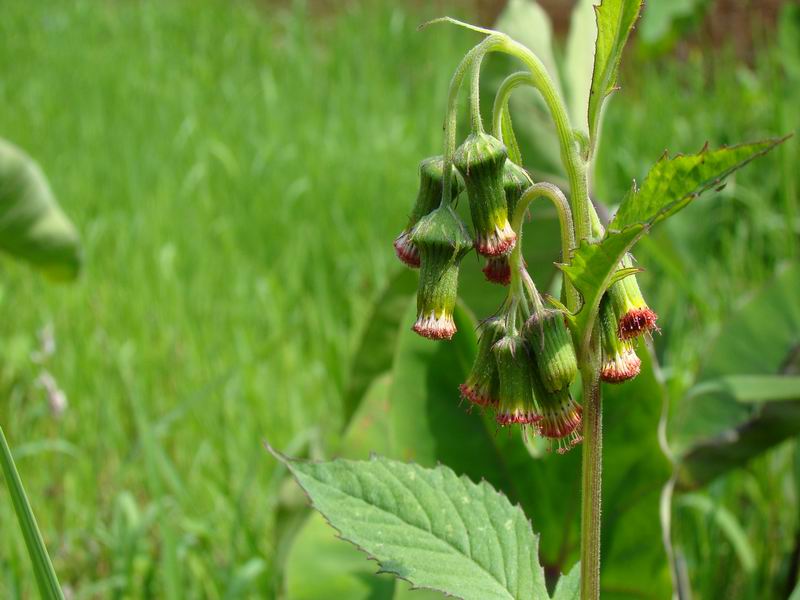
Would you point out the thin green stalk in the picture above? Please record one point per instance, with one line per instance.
(508, 85)
(556, 196)
(46, 578)
(452, 98)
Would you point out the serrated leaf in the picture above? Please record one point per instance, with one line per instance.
(674, 182)
(592, 268)
(615, 20)
(32, 225)
(569, 586)
(429, 526)
(579, 62)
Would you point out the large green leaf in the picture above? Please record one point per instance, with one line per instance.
(569, 586)
(32, 225)
(674, 182)
(429, 526)
(615, 20)
(748, 397)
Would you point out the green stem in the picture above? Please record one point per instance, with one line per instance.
(570, 152)
(509, 84)
(451, 117)
(591, 484)
(555, 195)
(46, 578)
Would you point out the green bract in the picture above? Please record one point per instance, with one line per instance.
(482, 386)
(442, 240)
(517, 403)
(551, 344)
(481, 161)
(429, 196)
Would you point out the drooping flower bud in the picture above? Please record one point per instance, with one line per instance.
(481, 161)
(619, 361)
(515, 182)
(442, 240)
(634, 316)
(497, 270)
(561, 417)
(517, 403)
(429, 196)
(482, 387)
(551, 344)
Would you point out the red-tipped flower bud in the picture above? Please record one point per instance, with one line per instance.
(561, 418)
(498, 270)
(517, 404)
(481, 160)
(515, 182)
(482, 387)
(429, 196)
(551, 344)
(634, 316)
(619, 362)
(442, 241)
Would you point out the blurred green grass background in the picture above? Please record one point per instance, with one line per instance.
(238, 172)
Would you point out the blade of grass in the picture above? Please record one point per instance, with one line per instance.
(46, 577)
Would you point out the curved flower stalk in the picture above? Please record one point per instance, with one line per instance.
(529, 355)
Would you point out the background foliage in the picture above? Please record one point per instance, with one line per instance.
(236, 171)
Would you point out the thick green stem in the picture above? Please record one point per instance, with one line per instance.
(591, 484)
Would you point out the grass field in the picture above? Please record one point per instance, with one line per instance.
(238, 173)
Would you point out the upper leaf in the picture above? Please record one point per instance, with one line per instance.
(32, 226)
(670, 186)
(429, 526)
(674, 182)
(615, 20)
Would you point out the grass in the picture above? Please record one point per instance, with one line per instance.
(237, 172)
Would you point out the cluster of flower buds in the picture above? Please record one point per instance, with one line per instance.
(525, 377)
(624, 316)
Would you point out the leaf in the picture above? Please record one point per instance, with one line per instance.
(579, 62)
(753, 389)
(46, 578)
(591, 270)
(727, 524)
(32, 225)
(615, 20)
(569, 586)
(743, 406)
(376, 348)
(428, 526)
(674, 182)
(321, 566)
(670, 186)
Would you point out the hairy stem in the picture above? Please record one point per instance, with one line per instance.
(591, 481)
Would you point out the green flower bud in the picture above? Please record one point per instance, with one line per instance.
(516, 402)
(481, 160)
(633, 315)
(429, 196)
(442, 240)
(483, 382)
(515, 182)
(619, 361)
(551, 344)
